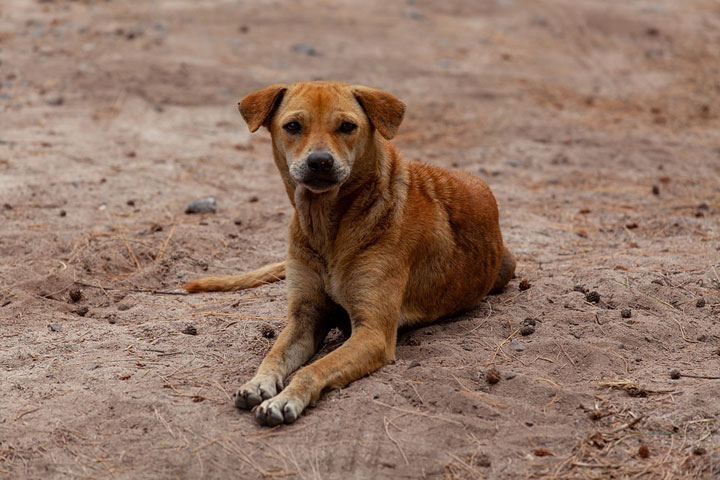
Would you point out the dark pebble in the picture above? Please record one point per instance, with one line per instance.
(700, 303)
(580, 288)
(268, 332)
(203, 205)
(307, 49)
(130, 203)
(82, 311)
(467, 348)
(237, 222)
(577, 335)
(703, 206)
(626, 313)
(253, 199)
(699, 451)
(675, 374)
(190, 330)
(593, 297)
(524, 285)
(655, 190)
(492, 376)
(529, 321)
(75, 294)
(124, 306)
(414, 364)
(527, 330)
(54, 327)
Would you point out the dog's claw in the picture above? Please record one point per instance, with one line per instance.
(278, 410)
(254, 392)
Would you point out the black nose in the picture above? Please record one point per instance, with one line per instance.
(320, 162)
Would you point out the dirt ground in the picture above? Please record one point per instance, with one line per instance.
(595, 122)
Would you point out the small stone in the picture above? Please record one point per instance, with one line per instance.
(702, 338)
(130, 203)
(413, 364)
(580, 288)
(306, 48)
(124, 306)
(54, 327)
(237, 222)
(82, 311)
(700, 303)
(190, 330)
(527, 330)
(518, 346)
(376, 396)
(203, 205)
(92, 366)
(75, 294)
(268, 332)
(675, 374)
(529, 321)
(510, 375)
(703, 206)
(62, 213)
(577, 335)
(643, 451)
(492, 376)
(112, 320)
(253, 199)
(699, 451)
(593, 297)
(655, 190)
(54, 99)
(467, 348)
(626, 313)
(524, 285)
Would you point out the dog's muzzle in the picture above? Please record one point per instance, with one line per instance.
(319, 171)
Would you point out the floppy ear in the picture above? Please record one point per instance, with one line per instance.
(384, 110)
(257, 107)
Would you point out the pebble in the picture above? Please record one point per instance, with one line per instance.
(576, 335)
(518, 346)
(203, 205)
(626, 313)
(413, 364)
(307, 49)
(675, 374)
(54, 99)
(237, 222)
(92, 366)
(529, 321)
(124, 306)
(75, 294)
(655, 190)
(82, 311)
(700, 303)
(467, 348)
(524, 285)
(527, 330)
(593, 297)
(190, 330)
(510, 375)
(54, 327)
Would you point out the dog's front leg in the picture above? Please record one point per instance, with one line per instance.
(370, 346)
(310, 316)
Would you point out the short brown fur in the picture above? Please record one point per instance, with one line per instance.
(394, 244)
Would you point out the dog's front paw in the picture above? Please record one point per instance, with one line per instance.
(284, 408)
(256, 390)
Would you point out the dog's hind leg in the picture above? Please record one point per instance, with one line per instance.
(507, 270)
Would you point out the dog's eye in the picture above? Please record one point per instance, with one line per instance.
(347, 127)
(292, 127)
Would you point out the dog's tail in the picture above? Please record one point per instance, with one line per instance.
(267, 274)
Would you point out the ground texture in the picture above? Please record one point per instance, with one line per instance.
(594, 122)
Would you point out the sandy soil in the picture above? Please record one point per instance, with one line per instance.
(595, 122)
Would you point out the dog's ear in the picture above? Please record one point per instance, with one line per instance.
(257, 108)
(384, 110)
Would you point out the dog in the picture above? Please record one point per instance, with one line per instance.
(375, 242)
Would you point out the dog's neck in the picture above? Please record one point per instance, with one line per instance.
(319, 214)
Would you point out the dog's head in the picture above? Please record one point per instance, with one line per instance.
(322, 129)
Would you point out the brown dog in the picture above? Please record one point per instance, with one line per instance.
(376, 243)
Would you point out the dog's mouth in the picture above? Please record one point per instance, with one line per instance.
(319, 184)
